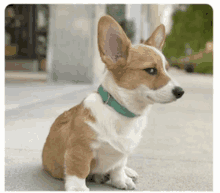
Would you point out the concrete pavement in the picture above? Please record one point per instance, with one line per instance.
(175, 153)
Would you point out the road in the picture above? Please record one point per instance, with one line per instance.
(175, 153)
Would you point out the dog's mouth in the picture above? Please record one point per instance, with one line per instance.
(160, 101)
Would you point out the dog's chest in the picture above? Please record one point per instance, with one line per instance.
(113, 144)
(112, 138)
(117, 135)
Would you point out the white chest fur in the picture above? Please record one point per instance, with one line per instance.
(117, 135)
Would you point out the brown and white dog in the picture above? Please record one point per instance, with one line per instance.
(95, 137)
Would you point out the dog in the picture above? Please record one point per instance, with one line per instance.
(94, 139)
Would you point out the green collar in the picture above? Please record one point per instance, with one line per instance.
(108, 99)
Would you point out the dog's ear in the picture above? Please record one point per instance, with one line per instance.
(157, 39)
(112, 41)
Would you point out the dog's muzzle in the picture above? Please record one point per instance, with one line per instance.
(178, 92)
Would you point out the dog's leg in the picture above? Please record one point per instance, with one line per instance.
(77, 167)
(120, 180)
(131, 173)
(74, 183)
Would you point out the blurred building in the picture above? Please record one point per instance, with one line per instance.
(26, 28)
(61, 40)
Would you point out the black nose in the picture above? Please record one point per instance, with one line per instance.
(178, 92)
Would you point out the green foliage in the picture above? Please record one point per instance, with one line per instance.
(205, 64)
(204, 68)
(193, 26)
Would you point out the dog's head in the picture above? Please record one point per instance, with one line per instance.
(140, 68)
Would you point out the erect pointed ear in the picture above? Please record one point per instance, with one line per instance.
(112, 41)
(157, 39)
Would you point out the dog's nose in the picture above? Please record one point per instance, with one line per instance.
(178, 92)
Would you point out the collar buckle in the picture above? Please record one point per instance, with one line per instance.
(106, 102)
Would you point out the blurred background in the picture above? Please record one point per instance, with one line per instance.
(58, 43)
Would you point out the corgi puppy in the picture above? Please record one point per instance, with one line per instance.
(94, 139)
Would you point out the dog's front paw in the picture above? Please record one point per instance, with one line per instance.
(126, 184)
(131, 173)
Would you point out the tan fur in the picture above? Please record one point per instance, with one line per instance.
(128, 67)
(68, 144)
(113, 33)
(132, 75)
(157, 39)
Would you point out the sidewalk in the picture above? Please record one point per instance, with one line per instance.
(175, 153)
(32, 94)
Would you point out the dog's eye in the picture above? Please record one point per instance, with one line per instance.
(151, 71)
